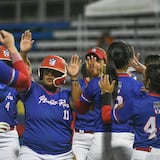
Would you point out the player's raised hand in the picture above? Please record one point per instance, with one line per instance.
(105, 85)
(26, 41)
(74, 66)
(7, 39)
(90, 61)
(139, 67)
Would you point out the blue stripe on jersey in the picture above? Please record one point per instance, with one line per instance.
(8, 74)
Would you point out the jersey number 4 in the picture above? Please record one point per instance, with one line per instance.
(150, 127)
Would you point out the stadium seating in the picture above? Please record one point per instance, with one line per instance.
(75, 37)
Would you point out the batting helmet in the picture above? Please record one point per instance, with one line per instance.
(4, 54)
(98, 52)
(55, 63)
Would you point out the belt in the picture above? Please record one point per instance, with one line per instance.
(12, 128)
(83, 131)
(148, 149)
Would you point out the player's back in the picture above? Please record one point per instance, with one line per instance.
(8, 101)
(146, 124)
(128, 88)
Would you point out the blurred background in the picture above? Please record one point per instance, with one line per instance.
(66, 27)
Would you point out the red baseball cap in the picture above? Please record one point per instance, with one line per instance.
(97, 52)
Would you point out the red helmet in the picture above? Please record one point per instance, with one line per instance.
(4, 54)
(56, 63)
(98, 52)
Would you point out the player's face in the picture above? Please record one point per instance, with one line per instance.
(97, 68)
(49, 75)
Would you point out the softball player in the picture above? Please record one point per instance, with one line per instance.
(17, 76)
(122, 136)
(48, 114)
(91, 96)
(120, 53)
(9, 141)
(85, 138)
(150, 59)
(144, 110)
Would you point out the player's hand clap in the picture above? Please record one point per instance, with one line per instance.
(139, 67)
(73, 67)
(26, 41)
(105, 85)
(90, 62)
(8, 41)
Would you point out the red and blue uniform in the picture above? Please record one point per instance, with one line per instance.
(145, 113)
(92, 97)
(127, 89)
(48, 118)
(9, 75)
(85, 121)
(17, 77)
(8, 105)
(8, 95)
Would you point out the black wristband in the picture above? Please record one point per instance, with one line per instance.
(72, 80)
(106, 98)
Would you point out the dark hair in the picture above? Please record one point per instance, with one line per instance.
(111, 71)
(119, 53)
(152, 73)
(150, 59)
(84, 71)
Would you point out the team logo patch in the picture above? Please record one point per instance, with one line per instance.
(156, 106)
(94, 50)
(52, 62)
(6, 53)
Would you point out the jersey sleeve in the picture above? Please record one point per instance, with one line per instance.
(90, 91)
(8, 74)
(18, 78)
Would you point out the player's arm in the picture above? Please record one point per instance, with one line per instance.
(82, 106)
(135, 63)
(73, 71)
(106, 97)
(76, 102)
(86, 100)
(18, 76)
(26, 44)
(118, 114)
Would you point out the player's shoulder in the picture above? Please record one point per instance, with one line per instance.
(64, 91)
(93, 87)
(94, 81)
